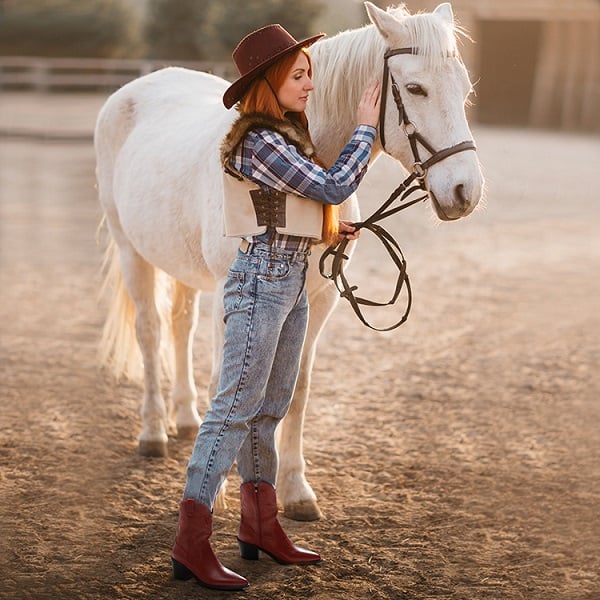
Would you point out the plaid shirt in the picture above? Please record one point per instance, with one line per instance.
(266, 158)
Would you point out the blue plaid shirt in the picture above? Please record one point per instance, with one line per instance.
(265, 157)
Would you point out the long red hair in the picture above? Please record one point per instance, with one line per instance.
(260, 98)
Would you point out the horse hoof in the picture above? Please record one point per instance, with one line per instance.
(153, 448)
(307, 510)
(187, 432)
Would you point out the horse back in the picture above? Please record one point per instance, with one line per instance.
(157, 149)
(159, 100)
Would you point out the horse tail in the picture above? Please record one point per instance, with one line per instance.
(118, 349)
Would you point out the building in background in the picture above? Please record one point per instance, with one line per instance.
(536, 62)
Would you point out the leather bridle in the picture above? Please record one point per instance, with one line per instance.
(415, 182)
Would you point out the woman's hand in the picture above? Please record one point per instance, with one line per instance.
(347, 231)
(369, 106)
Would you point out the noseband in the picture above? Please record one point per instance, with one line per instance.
(415, 182)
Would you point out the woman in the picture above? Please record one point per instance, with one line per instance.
(279, 200)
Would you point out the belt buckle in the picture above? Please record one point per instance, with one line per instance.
(245, 246)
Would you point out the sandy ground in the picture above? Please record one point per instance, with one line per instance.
(457, 457)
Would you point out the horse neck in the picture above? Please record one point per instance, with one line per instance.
(343, 66)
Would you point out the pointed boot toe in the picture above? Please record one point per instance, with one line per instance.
(260, 529)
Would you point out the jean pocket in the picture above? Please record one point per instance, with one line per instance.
(275, 269)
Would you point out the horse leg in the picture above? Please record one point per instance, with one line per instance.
(297, 497)
(138, 276)
(184, 396)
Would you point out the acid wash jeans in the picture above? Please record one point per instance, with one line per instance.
(266, 314)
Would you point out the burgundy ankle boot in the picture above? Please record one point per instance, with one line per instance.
(260, 529)
(192, 554)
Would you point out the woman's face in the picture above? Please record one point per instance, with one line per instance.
(293, 94)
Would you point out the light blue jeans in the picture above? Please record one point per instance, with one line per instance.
(266, 314)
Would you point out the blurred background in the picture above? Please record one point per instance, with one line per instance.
(535, 62)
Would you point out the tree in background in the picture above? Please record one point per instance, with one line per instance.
(166, 29)
(236, 18)
(97, 28)
(175, 29)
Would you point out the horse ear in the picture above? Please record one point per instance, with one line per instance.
(445, 11)
(384, 21)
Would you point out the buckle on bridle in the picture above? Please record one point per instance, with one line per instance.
(419, 170)
(409, 128)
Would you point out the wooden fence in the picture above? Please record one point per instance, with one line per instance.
(88, 74)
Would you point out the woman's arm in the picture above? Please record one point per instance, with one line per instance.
(280, 165)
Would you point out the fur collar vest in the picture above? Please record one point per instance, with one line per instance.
(292, 132)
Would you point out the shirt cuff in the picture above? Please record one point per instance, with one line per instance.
(366, 131)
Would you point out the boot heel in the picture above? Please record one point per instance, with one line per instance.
(248, 551)
(180, 571)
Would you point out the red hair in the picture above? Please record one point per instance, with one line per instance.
(261, 99)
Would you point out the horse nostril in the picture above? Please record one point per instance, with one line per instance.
(459, 196)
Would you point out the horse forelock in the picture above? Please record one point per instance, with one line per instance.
(435, 39)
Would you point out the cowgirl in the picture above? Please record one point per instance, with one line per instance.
(279, 200)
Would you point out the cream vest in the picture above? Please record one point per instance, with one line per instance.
(248, 211)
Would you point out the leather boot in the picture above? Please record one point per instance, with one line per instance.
(192, 554)
(260, 529)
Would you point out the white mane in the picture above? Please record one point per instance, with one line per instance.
(347, 62)
(343, 66)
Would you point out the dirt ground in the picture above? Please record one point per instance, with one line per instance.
(457, 457)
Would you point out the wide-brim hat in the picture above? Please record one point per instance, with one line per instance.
(257, 52)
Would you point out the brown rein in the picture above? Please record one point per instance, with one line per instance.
(415, 182)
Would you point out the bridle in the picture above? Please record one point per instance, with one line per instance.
(410, 129)
(415, 182)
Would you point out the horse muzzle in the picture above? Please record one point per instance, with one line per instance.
(458, 197)
(461, 206)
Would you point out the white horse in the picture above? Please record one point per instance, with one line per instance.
(160, 185)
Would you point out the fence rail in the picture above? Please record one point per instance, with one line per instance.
(89, 74)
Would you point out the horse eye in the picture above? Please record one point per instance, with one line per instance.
(416, 89)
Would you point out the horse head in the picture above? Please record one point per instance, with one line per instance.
(426, 88)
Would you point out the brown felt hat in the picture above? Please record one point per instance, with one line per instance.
(256, 53)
